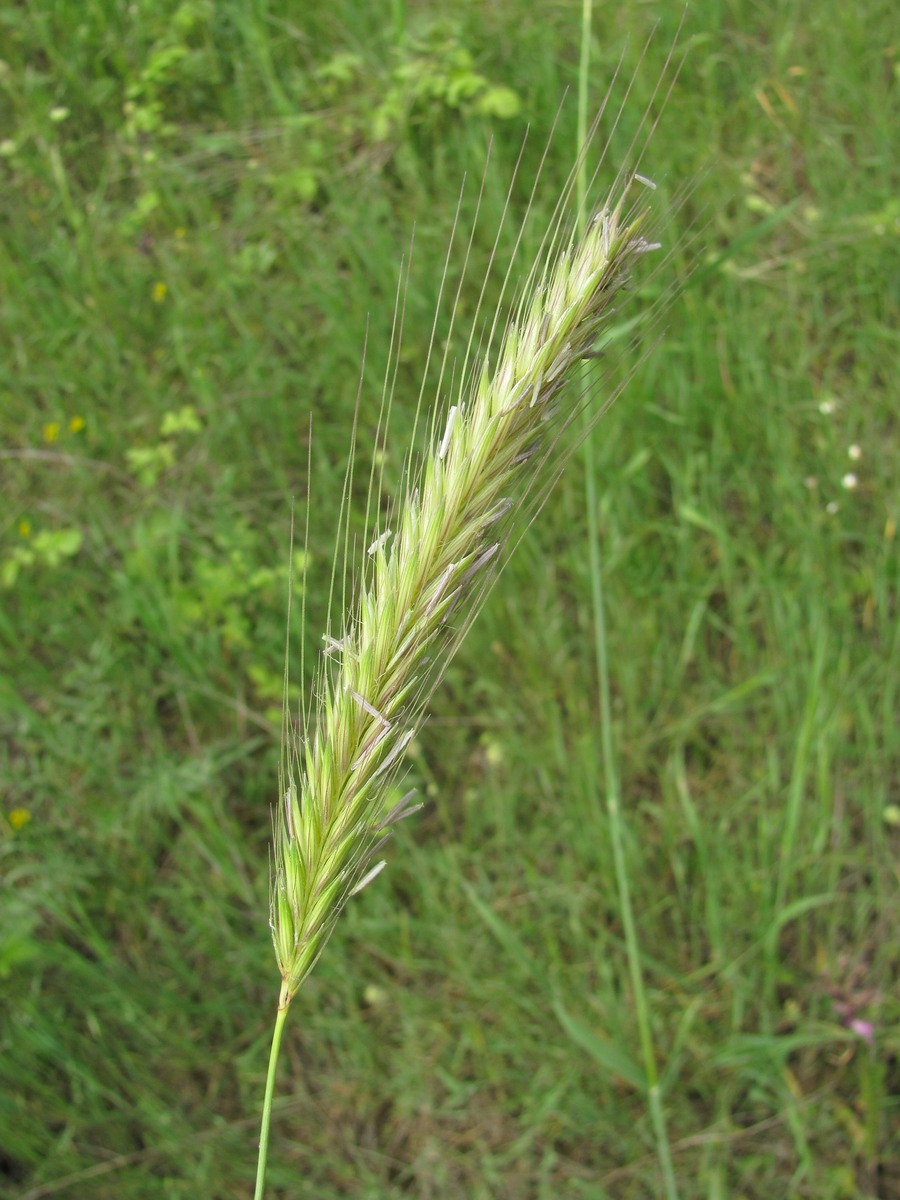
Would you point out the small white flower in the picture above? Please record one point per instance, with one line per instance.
(826, 407)
(811, 482)
(854, 452)
(832, 507)
(849, 481)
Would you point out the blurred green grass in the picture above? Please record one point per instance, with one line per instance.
(205, 208)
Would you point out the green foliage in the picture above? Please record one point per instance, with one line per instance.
(434, 74)
(163, 98)
(47, 548)
(200, 290)
(150, 462)
(178, 59)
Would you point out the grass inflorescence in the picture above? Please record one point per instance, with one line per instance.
(202, 227)
(423, 581)
(424, 576)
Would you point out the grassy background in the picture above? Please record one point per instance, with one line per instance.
(203, 206)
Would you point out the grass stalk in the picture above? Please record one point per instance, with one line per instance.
(274, 1051)
(426, 572)
(139, 670)
(607, 734)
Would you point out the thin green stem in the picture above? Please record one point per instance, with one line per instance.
(584, 74)
(607, 738)
(616, 827)
(283, 1003)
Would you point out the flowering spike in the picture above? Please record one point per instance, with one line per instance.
(375, 680)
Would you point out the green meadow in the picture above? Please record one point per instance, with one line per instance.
(206, 211)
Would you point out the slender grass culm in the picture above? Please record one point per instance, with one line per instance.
(613, 807)
(494, 454)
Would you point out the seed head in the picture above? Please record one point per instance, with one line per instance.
(452, 529)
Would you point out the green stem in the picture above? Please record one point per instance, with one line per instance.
(283, 1003)
(616, 832)
(601, 656)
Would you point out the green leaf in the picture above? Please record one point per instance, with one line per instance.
(500, 102)
(14, 951)
(610, 1057)
(185, 420)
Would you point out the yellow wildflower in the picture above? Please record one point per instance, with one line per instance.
(76, 424)
(159, 292)
(19, 817)
(51, 431)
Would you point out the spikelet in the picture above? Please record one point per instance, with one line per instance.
(423, 582)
